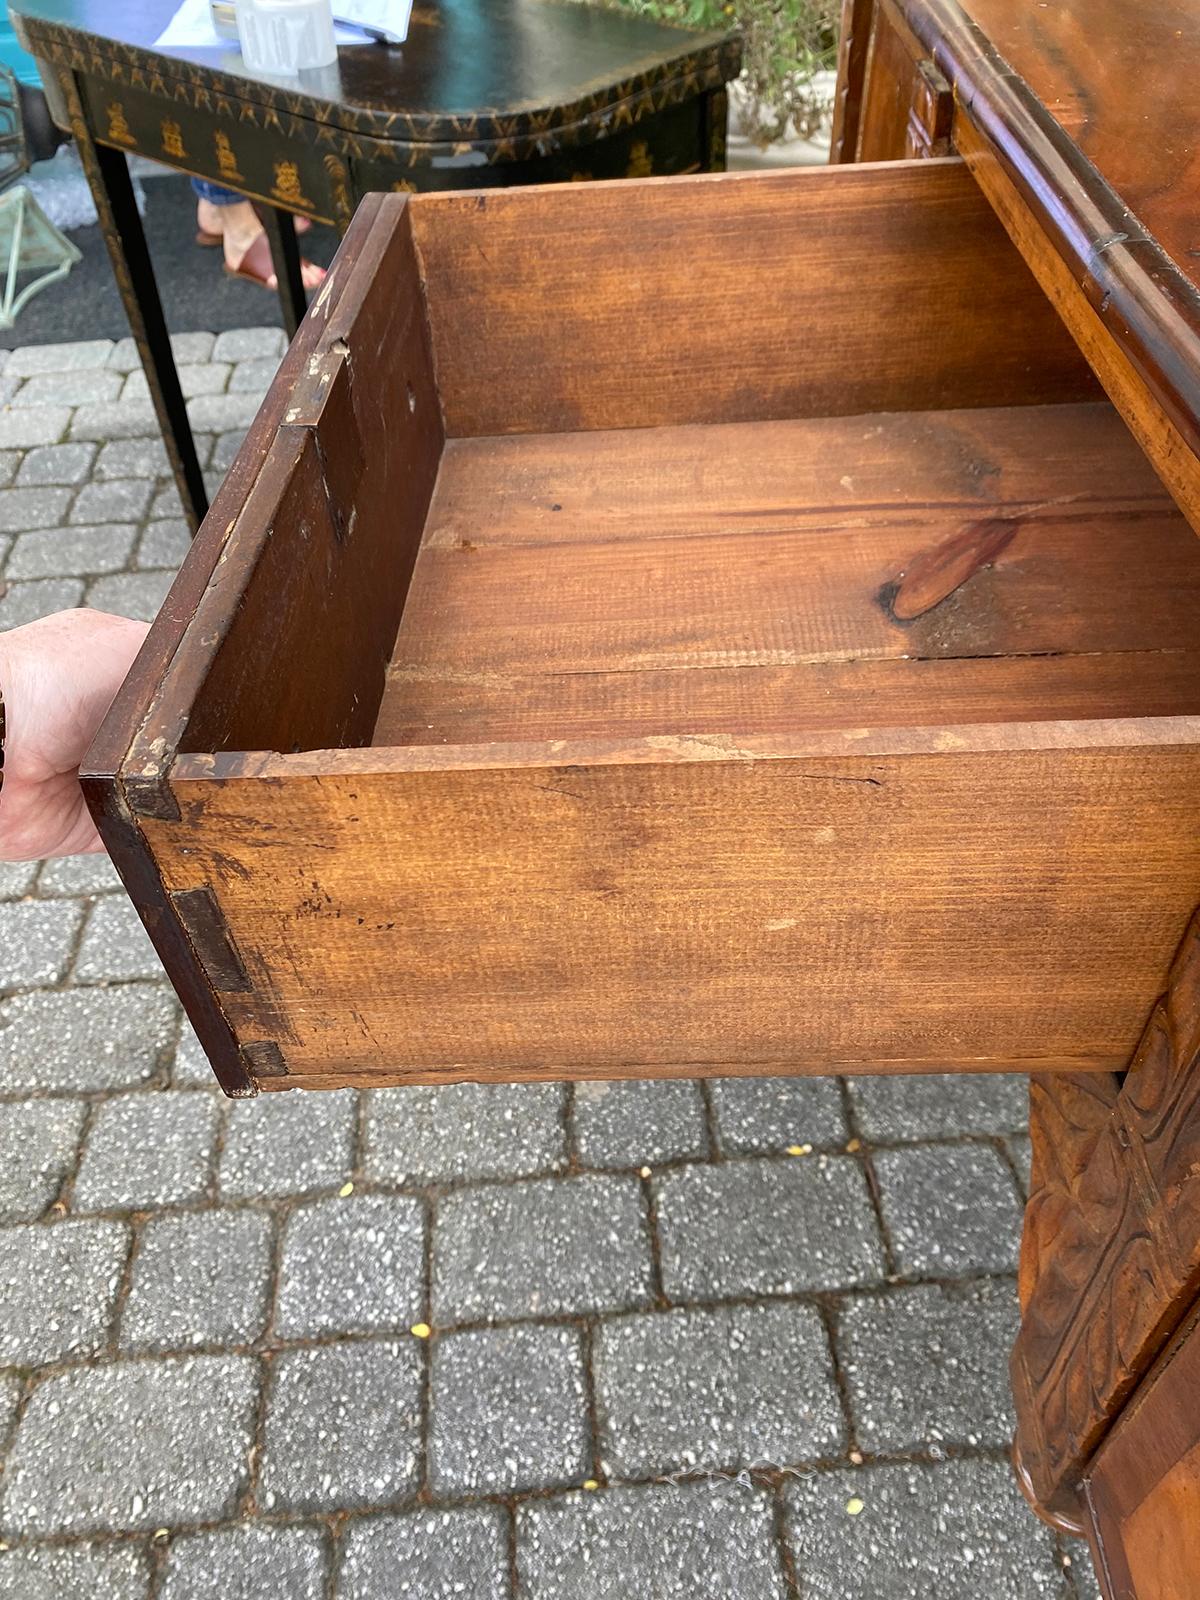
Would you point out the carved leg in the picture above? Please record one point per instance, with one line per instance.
(1110, 1260)
(108, 177)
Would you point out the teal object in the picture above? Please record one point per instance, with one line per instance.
(19, 62)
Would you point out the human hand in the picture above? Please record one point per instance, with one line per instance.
(58, 676)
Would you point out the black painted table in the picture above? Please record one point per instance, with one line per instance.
(482, 93)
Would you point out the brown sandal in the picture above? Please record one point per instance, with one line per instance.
(257, 265)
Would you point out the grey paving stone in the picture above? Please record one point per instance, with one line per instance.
(74, 1572)
(191, 1068)
(38, 1140)
(57, 1284)
(249, 344)
(254, 376)
(131, 594)
(928, 1366)
(115, 945)
(36, 939)
(118, 500)
(80, 1040)
(950, 1209)
(343, 1425)
(508, 1411)
(56, 463)
(187, 348)
(147, 1150)
(20, 429)
(33, 508)
(756, 1116)
(247, 1563)
(199, 1279)
(464, 1130)
(10, 460)
(541, 1248)
(226, 448)
(940, 1105)
(1020, 1150)
(81, 388)
(354, 1265)
(77, 356)
(284, 1144)
(164, 543)
(132, 458)
(208, 377)
(630, 1124)
(16, 878)
(959, 1531)
(166, 502)
(124, 419)
(220, 412)
(740, 1387)
(427, 1555)
(704, 1541)
(766, 1227)
(52, 552)
(139, 1444)
(26, 602)
(75, 875)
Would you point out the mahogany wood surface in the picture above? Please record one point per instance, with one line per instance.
(1144, 1488)
(1111, 1255)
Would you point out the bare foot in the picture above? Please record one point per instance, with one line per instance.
(210, 218)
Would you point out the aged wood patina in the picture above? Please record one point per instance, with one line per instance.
(482, 93)
(586, 672)
(1080, 123)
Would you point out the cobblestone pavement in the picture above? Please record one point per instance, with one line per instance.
(743, 1339)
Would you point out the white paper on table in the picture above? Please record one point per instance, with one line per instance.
(192, 25)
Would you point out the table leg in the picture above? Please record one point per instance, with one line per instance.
(112, 189)
(285, 255)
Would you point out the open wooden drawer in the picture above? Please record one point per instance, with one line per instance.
(701, 625)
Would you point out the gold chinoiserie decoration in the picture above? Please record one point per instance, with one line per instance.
(287, 184)
(172, 139)
(640, 163)
(226, 160)
(403, 186)
(119, 130)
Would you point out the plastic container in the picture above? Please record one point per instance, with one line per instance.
(286, 36)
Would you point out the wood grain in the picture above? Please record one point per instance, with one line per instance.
(699, 300)
(1111, 1260)
(1173, 455)
(750, 576)
(628, 911)
(890, 87)
(1143, 1489)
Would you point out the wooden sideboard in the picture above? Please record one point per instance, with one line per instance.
(1080, 122)
(744, 624)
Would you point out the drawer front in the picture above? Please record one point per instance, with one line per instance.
(268, 155)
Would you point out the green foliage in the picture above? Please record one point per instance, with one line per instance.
(786, 42)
